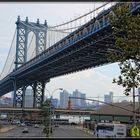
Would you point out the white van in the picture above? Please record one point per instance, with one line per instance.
(110, 130)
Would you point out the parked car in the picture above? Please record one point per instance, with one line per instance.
(36, 126)
(22, 124)
(15, 122)
(29, 124)
(56, 125)
(25, 130)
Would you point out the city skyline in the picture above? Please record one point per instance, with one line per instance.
(94, 82)
(64, 96)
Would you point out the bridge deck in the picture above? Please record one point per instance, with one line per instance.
(82, 49)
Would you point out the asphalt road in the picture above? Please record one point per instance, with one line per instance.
(17, 132)
(68, 131)
(63, 131)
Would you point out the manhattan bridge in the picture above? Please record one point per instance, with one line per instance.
(40, 52)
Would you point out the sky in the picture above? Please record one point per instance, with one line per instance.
(93, 82)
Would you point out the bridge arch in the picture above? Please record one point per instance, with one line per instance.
(28, 102)
(31, 45)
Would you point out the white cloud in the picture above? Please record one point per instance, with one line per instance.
(92, 82)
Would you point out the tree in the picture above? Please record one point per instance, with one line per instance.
(126, 31)
(126, 50)
(46, 113)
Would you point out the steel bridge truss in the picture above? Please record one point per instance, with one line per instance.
(38, 93)
(84, 48)
(23, 30)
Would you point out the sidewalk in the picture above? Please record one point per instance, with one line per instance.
(7, 128)
(85, 130)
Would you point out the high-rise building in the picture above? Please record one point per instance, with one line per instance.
(54, 102)
(108, 98)
(83, 102)
(111, 97)
(78, 103)
(29, 98)
(64, 96)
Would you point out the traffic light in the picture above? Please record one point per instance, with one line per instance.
(69, 104)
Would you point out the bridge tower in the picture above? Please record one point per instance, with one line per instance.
(40, 32)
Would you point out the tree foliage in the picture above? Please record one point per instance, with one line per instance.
(126, 33)
(46, 113)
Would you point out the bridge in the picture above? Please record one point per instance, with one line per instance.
(57, 111)
(68, 50)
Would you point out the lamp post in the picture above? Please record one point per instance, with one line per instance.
(51, 97)
(134, 106)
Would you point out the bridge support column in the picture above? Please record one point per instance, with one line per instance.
(40, 39)
(38, 94)
(19, 97)
(21, 44)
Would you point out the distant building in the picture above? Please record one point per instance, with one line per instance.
(108, 98)
(95, 105)
(111, 97)
(8, 101)
(83, 102)
(1, 101)
(12, 95)
(29, 98)
(78, 103)
(64, 96)
(54, 102)
(124, 101)
(5, 101)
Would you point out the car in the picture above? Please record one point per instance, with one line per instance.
(15, 122)
(29, 124)
(56, 125)
(25, 130)
(73, 123)
(22, 124)
(36, 126)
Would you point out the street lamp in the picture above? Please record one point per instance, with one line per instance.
(51, 97)
(51, 93)
(134, 106)
(55, 90)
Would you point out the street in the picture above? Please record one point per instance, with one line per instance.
(65, 131)
(17, 132)
(69, 131)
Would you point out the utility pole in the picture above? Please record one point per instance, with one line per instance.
(134, 111)
(51, 110)
(139, 99)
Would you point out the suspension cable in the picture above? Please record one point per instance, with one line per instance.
(80, 16)
(8, 53)
(60, 30)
